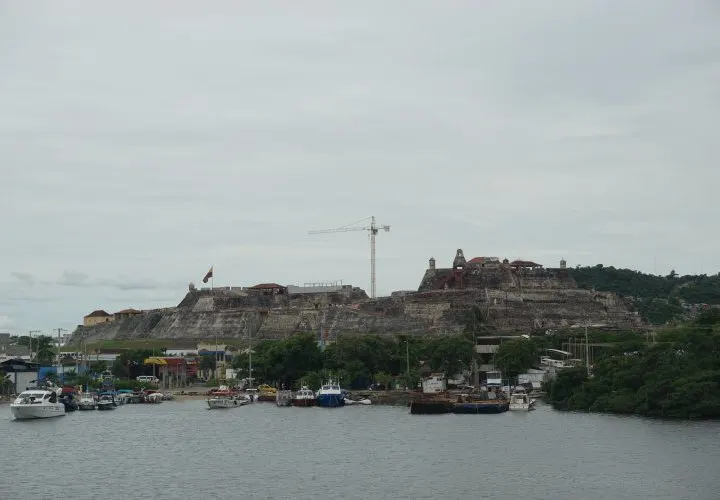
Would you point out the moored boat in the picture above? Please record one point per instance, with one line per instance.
(106, 402)
(87, 402)
(304, 397)
(430, 404)
(364, 401)
(478, 407)
(284, 398)
(154, 398)
(330, 395)
(483, 402)
(266, 393)
(218, 402)
(37, 403)
(521, 401)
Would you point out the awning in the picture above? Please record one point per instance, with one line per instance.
(155, 361)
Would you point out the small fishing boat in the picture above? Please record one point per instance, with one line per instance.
(330, 395)
(106, 402)
(218, 402)
(224, 397)
(87, 402)
(304, 397)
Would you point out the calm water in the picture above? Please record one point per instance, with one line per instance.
(181, 450)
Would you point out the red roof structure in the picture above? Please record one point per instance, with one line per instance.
(99, 313)
(524, 263)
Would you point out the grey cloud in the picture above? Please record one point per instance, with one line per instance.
(24, 277)
(501, 130)
(73, 278)
(81, 279)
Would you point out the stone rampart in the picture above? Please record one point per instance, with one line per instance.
(521, 303)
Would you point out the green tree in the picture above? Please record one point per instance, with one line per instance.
(43, 350)
(97, 366)
(207, 365)
(449, 354)
(516, 356)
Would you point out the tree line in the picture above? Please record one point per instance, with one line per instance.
(658, 298)
(678, 376)
(356, 361)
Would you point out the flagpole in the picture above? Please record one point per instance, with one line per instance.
(212, 277)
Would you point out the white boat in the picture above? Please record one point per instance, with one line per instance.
(154, 397)
(87, 402)
(365, 401)
(37, 403)
(304, 397)
(217, 402)
(521, 401)
(106, 402)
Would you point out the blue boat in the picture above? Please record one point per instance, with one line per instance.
(330, 395)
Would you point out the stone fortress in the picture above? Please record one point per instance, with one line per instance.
(514, 297)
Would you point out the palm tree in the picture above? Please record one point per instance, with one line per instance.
(44, 352)
(6, 384)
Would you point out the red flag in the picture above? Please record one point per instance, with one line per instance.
(208, 275)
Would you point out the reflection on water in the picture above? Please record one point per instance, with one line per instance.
(181, 450)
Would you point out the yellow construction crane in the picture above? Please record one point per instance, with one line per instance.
(373, 229)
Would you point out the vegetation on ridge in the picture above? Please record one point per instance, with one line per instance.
(678, 376)
(658, 299)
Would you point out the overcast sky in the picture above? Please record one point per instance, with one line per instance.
(142, 142)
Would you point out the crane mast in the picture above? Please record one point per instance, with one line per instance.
(373, 230)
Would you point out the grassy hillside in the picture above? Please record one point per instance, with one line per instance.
(659, 299)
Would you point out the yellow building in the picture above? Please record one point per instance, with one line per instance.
(126, 313)
(95, 317)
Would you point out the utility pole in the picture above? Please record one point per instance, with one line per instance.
(37, 374)
(407, 357)
(59, 364)
(587, 350)
(31, 343)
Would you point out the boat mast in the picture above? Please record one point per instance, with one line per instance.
(249, 330)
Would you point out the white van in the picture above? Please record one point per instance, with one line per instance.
(148, 379)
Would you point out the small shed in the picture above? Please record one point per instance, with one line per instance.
(434, 383)
(22, 374)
